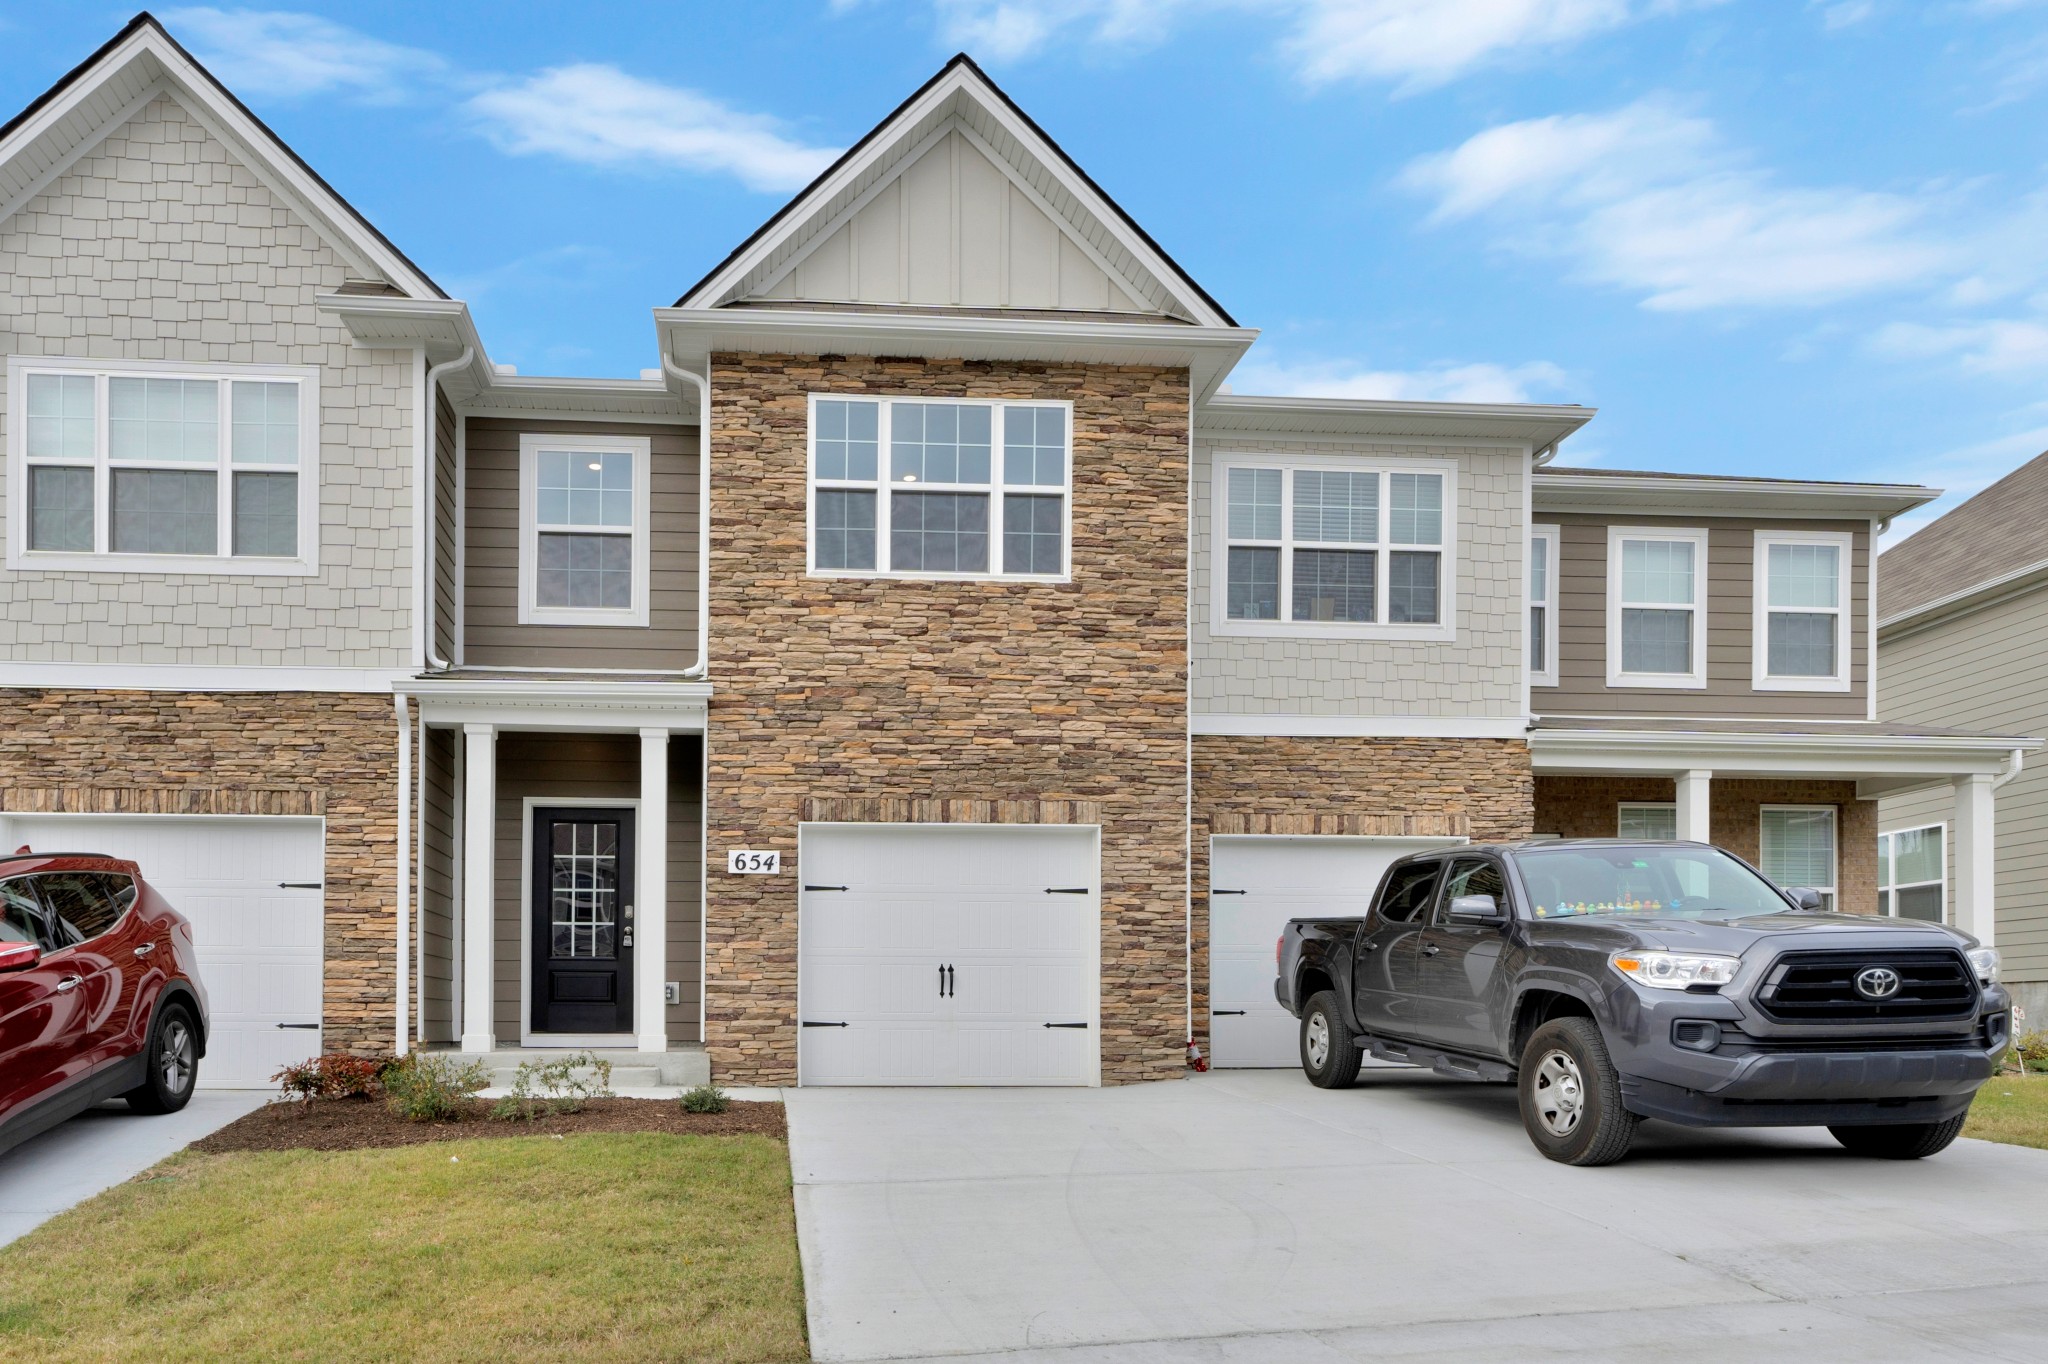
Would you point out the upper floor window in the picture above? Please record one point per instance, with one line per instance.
(1656, 607)
(583, 544)
(129, 467)
(1543, 606)
(1911, 879)
(905, 487)
(1332, 550)
(1801, 639)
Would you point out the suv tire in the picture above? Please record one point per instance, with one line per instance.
(1329, 1057)
(170, 1062)
(1571, 1095)
(1902, 1141)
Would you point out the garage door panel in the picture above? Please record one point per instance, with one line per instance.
(996, 1055)
(878, 1053)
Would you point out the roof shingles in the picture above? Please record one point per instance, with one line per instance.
(1999, 531)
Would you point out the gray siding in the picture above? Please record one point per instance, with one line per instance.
(1582, 627)
(437, 886)
(1986, 671)
(492, 634)
(446, 512)
(600, 767)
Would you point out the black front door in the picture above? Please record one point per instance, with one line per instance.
(582, 920)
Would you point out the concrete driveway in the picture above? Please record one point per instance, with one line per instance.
(1248, 1217)
(100, 1148)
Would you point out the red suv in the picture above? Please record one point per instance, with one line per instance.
(99, 996)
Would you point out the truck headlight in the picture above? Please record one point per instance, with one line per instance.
(1985, 962)
(1674, 970)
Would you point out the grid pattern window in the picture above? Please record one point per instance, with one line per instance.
(583, 530)
(1912, 881)
(1342, 551)
(197, 468)
(1802, 612)
(1646, 819)
(1543, 542)
(1796, 846)
(1656, 607)
(918, 488)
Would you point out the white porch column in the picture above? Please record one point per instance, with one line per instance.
(479, 805)
(650, 913)
(1695, 806)
(1976, 868)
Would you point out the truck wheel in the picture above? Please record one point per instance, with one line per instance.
(1328, 1055)
(1902, 1141)
(1571, 1095)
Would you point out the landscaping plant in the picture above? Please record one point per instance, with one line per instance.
(2029, 1053)
(429, 1087)
(336, 1075)
(705, 1099)
(560, 1086)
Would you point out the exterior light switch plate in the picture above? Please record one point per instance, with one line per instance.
(672, 992)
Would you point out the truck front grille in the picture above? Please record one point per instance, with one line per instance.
(1820, 987)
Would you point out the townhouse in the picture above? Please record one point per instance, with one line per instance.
(929, 673)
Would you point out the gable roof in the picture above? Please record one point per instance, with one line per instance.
(136, 65)
(1995, 535)
(961, 95)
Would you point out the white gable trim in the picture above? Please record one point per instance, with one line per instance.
(121, 118)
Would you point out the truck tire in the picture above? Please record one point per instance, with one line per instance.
(1901, 1141)
(1329, 1057)
(1571, 1095)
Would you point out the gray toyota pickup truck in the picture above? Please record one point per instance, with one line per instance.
(1614, 980)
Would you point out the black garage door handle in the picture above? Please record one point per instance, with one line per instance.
(1228, 892)
(809, 1024)
(1066, 890)
(1066, 1025)
(298, 885)
(306, 1027)
(1227, 1013)
(824, 887)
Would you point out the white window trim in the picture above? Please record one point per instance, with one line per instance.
(531, 612)
(1833, 889)
(102, 560)
(1696, 680)
(1548, 537)
(1886, 862)
(1620, 806)
(1445, 627)
(1760, 653)
(882, 487)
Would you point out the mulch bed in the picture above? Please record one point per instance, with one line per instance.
(354, 1124)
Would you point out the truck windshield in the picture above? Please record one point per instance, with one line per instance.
(1666, 880)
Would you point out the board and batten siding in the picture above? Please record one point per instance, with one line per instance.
(1731, 574)
(1986, 672)
(1476, 674)
(492, 634)
(596, 767)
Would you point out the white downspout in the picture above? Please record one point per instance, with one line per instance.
(2014, 761)
(404, 867)
(428, 527)
(703, 383)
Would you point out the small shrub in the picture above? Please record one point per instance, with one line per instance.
(563, 1085)
(430, 1087)
(2030, 1052)
(336, 1075)
(705, 1099)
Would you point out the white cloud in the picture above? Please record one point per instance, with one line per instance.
(1445, 383)
(1649, 199)
(282, 55)
(1999, 346)
(603, 116)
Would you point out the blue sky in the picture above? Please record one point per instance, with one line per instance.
(1762, 236)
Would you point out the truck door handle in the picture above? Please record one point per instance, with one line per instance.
(67, 984)
(1430, 950)
(1372, 945)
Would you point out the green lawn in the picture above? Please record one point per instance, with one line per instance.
(2011, 1109)
(612, 1247)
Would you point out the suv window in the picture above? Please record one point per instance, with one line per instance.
(21, 917)
(81, 903)
(1472, 876)
(1408, 891)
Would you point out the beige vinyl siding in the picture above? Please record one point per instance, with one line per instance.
(437, 886)
(1731, 549)
(492, 634)
(1987, 672)
(595, 767)
(446, 491)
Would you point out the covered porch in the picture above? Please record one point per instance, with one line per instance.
(1797, 800)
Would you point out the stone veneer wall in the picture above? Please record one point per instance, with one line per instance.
(1480, 789)
(191, 753)
(1584, 807)
(844, 690)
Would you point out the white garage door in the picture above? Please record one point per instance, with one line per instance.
(947, 954)
(258, 938)
(1258, 883)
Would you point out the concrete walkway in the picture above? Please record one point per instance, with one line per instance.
(100, 1148)
(1248, 1217)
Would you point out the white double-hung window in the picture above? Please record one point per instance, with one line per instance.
(583, 538)
(926, 488)
(1543, 541)
(161, 467)
(1801, 636)
(1347, 551)
(1656, 607)
(1912, 880)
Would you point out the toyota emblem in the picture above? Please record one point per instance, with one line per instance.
(1877, 982)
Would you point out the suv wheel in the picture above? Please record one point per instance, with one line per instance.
(1329, 1057)
(1571, 1095)
(1902, 1141)
(170, 1063)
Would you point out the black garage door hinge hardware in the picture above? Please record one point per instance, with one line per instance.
(303, 1027)
(809, 1024)
(825, 887)
(1066, 890)
(1066, 1025)
(298, 885)
(1228, 892)
(1227, 1013)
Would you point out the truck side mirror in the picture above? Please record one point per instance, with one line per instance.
(1806, 898)
(1476, 909)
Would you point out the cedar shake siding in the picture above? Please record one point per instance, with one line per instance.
(295, 753)
(846, 690)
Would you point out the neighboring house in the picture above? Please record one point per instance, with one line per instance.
(1963, 639)
(881, 690)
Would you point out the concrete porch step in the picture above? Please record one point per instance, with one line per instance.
(678, 1067)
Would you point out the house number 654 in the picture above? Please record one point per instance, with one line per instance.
(745, 862)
